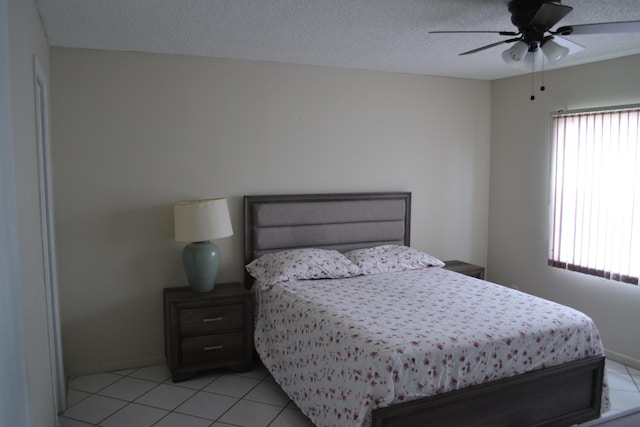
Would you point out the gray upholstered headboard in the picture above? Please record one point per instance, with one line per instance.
(343, 221)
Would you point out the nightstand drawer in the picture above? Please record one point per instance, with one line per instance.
(209, 347)
(211, 319)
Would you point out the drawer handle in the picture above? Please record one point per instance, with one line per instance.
(212, 319)
(213, 347)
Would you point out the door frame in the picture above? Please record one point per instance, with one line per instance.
(48, 235)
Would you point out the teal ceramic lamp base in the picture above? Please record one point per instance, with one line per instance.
(201, 261)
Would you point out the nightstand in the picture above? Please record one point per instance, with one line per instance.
(207, 330)
(465, 268)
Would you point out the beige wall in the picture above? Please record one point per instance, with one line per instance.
(134, 133)
(520, 163)
(27, 39)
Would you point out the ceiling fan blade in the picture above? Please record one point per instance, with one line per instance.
(601, 28)
(550, 14)
(502, 33)
(489, 46)
(571, 45)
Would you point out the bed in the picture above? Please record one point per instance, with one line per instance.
(329, 345)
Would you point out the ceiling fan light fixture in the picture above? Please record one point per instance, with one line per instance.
(554, 52)
(516, 53)
(532, 60)
(535, 40)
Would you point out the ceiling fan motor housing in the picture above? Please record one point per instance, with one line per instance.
(523, 13)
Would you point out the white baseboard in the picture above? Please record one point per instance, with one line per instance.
(622, 358)
(114, 366)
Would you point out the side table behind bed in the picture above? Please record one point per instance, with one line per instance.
(465, 268)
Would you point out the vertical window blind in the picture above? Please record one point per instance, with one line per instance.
(595, 193)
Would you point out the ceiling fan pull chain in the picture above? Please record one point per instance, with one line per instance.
(533, 69)
(542, 87)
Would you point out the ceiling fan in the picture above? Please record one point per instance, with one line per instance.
(534, 20)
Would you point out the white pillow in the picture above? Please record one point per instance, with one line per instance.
(391, 258)
(301, 264)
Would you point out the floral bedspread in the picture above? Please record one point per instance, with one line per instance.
(342, 347)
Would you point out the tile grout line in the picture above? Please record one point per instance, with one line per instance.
(637, 383)
(90, 394)
(196, 391)
(128, 402)
(242, 398)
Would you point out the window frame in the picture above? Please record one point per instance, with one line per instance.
(555, 256)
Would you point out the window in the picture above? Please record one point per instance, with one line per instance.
(595, 193)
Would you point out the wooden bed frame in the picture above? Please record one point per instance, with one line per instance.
(562, 395)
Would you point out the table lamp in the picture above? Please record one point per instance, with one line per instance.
(198, 222)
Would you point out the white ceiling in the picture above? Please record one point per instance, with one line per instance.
(386, 35)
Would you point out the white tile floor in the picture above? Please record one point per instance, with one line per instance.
(147, 397)
(624, 384)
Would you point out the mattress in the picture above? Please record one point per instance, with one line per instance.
(342, 347)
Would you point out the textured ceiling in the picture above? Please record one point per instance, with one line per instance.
(386, 35)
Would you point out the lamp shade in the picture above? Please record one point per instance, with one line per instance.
(553, 51)
(516, 53)
(201, 220)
